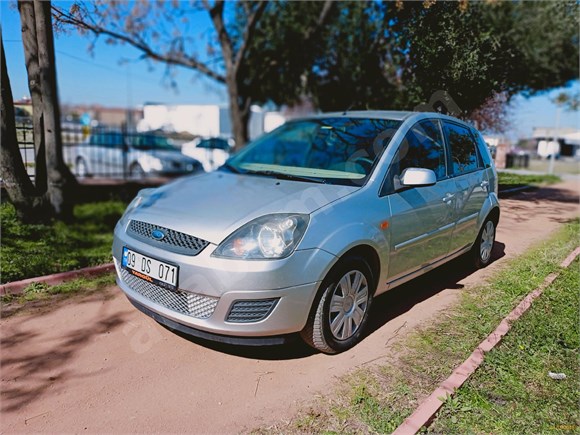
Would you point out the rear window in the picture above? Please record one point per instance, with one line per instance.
(462, 149)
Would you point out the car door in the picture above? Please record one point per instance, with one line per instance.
(421, 217)
(471, 183)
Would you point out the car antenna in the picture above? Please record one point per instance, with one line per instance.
(349, 107)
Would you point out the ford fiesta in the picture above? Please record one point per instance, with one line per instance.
(300, 230)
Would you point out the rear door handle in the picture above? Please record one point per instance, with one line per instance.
(484, 183)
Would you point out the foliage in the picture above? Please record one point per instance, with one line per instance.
(39, 249)
(377, 55)
(354, 54)
(509, 179)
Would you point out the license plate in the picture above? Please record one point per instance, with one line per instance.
(149, 269)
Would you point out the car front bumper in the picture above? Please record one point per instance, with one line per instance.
(210, 288)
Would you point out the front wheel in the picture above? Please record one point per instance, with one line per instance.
(484, 244)
(340, 314)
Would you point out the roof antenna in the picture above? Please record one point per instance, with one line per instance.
(349, 107)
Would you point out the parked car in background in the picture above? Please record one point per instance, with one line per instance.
(211, 152)
(135, 155)
(300, 230)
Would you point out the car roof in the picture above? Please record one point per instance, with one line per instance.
(377, 114)
(395, 115)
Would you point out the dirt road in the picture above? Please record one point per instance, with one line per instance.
(95, 364)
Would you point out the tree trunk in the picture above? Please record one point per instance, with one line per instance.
(20, 189)
(61, 182)
(29, 40)
(239, 114)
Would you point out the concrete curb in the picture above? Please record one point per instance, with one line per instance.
(426, 411)
(17, 287)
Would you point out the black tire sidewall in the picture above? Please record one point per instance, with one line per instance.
(329, 284)
(479, 263)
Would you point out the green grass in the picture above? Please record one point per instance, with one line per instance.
(47, 295)
(511, 392)
(34, 250)
(510, 179)
(377, 398)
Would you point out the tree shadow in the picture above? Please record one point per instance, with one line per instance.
(547, 193)
(398, 301)
(28, 374)
(385, 308)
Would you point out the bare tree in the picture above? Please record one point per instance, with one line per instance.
(20, 189)
(60, 180)
(29, 40)
(137, 24)
(53, 194)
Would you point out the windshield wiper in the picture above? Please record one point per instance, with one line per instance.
(231, 168)
(286, 176)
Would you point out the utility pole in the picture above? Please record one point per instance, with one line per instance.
(556, 140)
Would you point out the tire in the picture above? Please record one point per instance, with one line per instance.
(337, 320)
(483, 246)
(81, 168)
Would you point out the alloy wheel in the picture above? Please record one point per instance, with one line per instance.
(348, 305)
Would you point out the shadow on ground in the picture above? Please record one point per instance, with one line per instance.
(385, 308)
(31, 368)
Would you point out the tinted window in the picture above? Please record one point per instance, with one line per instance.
(337, 150)
(483, 149)
(107, 140)
(463, 152)
(422, 147)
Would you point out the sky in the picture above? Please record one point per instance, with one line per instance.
(106, 78)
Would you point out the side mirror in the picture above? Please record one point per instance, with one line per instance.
(417, 177)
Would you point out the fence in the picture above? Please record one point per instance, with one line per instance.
(101, 152)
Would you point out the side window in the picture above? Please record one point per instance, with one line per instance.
(462, 148)
(483, 149)
(422, 147)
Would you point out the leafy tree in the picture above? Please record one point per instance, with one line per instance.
(162, 32)
(52, 196)
(397, 55)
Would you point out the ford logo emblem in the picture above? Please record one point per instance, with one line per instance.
(158, 234)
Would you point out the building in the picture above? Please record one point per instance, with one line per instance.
(204, 120)
(564, 142)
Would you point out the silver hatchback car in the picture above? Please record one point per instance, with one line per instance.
(300, 230)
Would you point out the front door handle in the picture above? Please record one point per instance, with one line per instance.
(448, 197)
(484, 184)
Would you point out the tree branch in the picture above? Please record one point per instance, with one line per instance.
(324, 13)
(216, 13)
(138, 43)
(253, 19)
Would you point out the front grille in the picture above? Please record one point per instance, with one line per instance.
(173, 241)
(190, 304)
(248, 311)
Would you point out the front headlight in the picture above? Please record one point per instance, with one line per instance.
(268, 237)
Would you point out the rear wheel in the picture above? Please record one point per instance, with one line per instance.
(340, 313)
(483, 246)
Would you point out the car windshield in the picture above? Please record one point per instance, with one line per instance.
(339, 150)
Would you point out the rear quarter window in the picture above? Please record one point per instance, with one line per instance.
(463, 149)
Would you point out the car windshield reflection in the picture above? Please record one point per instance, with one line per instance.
(338, 150)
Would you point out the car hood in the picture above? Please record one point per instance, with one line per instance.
(211, 206)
